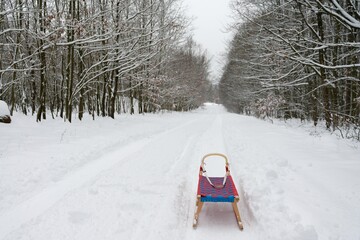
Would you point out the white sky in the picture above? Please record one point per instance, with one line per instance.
(211, 18)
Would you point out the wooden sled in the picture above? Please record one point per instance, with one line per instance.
(216, 189)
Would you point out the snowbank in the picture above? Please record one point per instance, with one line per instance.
(4, 112)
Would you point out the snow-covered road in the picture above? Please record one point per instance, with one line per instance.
(135, 178)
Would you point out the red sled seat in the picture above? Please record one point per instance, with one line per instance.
(216, 189)
(209, 193)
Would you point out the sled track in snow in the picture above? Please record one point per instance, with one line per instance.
(182, 200)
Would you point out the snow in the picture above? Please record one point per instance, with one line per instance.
(4, 110)
(135, 177)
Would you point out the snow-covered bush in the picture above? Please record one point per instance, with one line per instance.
(4, 112)
(268, 107)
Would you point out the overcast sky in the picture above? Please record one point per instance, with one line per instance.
(209, 27)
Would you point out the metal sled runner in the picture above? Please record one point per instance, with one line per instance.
(216, 189)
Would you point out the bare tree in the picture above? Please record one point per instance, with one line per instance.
(95, 56)
(304, 52)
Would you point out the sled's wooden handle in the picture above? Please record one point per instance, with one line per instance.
(214, 155)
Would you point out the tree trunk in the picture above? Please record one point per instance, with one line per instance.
(325, 88)
(2, 53)
(131, 97)
(70, 62)
(42, 56)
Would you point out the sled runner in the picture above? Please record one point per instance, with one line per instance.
(216, 189)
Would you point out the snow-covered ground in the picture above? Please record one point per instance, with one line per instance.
(136, 177)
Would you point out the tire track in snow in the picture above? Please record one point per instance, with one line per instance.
(167, 201)
(13, 218)
(182, 200)
(246, 214)
(218, 217)
(215, 218)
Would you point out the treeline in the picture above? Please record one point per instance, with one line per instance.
(295, 59)
(100, 57)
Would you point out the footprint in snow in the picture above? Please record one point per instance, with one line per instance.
(271, 175)
(78, 217)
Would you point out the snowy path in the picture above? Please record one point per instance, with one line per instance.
(36, 205)
(139, 181)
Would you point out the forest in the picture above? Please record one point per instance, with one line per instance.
(288, 59)
(296, 59)
(101, 57)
